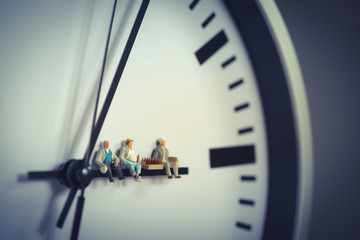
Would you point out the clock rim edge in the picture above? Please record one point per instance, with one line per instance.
(250, 16)
(295, 81)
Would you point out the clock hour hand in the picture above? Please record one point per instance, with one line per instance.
(74, 176)
(66, 208)
(78, 214)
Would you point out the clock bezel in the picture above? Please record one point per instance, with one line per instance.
(287, 190)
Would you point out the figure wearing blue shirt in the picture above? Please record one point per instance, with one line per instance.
(106, 159)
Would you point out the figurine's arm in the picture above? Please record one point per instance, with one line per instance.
(156, 154)
(115, 158)
(100, 157)
(166, 154)
(122, 154)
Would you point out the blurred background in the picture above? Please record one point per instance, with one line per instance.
(326, 36)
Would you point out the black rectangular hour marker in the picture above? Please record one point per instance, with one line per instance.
(209, 48)
(221, 157)
(208, 20)
(227, 62)
(235, 84)
(193, 4)
(245, 130)
(248, 178)
(243, 225)
(247, 202)
(241, 107)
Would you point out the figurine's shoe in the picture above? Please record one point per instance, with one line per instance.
(138, 179)
(111, 180)
(121, 178)
(170, 177)
(178, 177)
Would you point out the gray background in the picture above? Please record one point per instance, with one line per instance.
(326, 36)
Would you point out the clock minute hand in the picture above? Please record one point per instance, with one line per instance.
(105, 108)
(74, 173)
(118, 74)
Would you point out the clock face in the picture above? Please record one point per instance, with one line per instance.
(189, 79)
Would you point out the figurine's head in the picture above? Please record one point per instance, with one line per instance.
(106, 144)
(129, 142)
(161, 142)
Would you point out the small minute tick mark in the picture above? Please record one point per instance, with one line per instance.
(228, 61)
(235, 84)
(193, 4)
(208, 20)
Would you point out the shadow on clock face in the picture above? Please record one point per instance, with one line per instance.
(46, 228)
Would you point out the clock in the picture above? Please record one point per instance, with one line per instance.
(218, 79)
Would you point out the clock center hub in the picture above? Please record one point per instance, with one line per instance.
(73, 174)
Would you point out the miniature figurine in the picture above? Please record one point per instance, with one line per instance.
(127, 156)
(106, 159)
(162, 153)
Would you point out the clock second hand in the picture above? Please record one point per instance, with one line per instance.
(74, 189)
(88, 152)
(104, 110)
(117, 76)
(81, 198)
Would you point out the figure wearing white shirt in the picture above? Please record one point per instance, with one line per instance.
(127, 156)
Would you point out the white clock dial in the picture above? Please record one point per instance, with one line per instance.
(166, 92)
(190, 78)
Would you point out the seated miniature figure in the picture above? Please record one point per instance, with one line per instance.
(162, 153)
(106, 159)
(127, 156)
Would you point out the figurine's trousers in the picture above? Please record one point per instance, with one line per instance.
(173, 165)
(134, 167)
(110, 165)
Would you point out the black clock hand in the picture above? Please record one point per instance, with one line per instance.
(108, 100)
(73, 191)
(114, 84)
(66, 207)
(78, 214)
(118, 74)
(75, 174)
(88, 152)
(81, 199)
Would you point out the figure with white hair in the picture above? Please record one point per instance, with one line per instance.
(106, 159)
(162, 153)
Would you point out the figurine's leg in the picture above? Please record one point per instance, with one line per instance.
(119, 172)
(175, 167)
(109, 173)
(130, 166)
(167, 170)
(138, 168)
